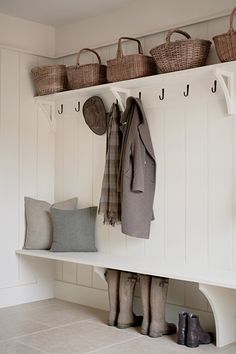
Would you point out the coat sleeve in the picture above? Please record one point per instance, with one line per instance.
(138, 159)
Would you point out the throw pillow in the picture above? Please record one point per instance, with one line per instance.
(74, 230)
(38, 222)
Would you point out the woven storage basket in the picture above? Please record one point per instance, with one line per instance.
(181, 54)
(226, 43)
(126, 67)
(86, 75)
(49, 79)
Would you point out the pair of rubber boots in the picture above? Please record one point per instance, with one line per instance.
(190, 332)
(121, 286)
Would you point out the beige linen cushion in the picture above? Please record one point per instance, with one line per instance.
(38, 221)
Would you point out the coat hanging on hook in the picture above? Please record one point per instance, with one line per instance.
(137, 193)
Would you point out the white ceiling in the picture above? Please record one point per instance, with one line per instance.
(58, 12)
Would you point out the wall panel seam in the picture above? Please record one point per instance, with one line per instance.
(233, 194)
(19, 161)
(185, 184)
(208, 186)
(37, 152)
(164, 187)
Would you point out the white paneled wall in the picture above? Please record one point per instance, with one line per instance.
(177, 236)
(27, 169)
(195, 150)
(194, 146)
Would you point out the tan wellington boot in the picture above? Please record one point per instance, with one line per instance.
(113, 281)
(126, 316)
(159, 326)
(145, 283)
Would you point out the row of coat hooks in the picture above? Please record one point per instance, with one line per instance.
(185, 93)
(161, 97)
(77, 109)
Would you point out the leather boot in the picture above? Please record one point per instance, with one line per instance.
(196, 335)
(145, 283)
(126, 316)
(159, 326)
(182, 328)
(113, 280)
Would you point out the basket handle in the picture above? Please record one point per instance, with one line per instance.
(120, 53)
(231, 27)
(88, 50)
(176, 30)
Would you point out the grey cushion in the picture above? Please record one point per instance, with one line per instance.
(38, 222)
(74, 230)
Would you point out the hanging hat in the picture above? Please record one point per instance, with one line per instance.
(95, 115)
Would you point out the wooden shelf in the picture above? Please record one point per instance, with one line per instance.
(199, 72)
(223, 72)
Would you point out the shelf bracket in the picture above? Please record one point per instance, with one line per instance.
(223, 304)
(116, 91)
(100, 271)
(226, 81)
(48, 108)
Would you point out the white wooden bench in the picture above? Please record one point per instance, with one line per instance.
(219, 287)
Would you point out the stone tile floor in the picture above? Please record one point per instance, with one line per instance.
(59, 327)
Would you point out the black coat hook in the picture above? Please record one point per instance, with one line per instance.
(187, 91)
(213, 89)
(61, 110)
(140, 95)
(77, 109)
(162, 95)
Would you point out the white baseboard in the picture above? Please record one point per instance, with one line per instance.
(22, 294)
(82, 295)
(98, 298)
(36, 282)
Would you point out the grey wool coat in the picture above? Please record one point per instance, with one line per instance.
(137, 171)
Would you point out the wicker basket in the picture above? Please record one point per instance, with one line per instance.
(181, 54)
(126, 67)
(86, 75)
(49, 79)
(226, 43)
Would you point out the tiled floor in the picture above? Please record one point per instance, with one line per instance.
(59, 327)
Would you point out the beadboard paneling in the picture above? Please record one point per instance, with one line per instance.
(220, 187)
(196, 184)
(193, 141)
(27, 169)
(85, 163)
(9, 160)
(195, 194)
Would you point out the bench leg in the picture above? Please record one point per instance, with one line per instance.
(223, 304)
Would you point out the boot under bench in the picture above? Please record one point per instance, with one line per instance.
(218, 286)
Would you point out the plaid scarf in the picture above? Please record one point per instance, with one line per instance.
(110, 196)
